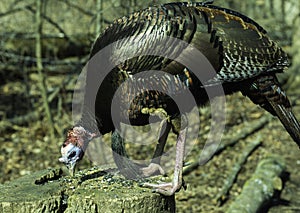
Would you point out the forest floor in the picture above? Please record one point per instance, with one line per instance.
(205, 183)
(25, 149)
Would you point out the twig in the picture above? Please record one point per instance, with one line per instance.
(252, 127)
(222, 195)
(247, 131)
(15, 10)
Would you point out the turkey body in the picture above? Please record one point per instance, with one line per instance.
(147, 74)
(237, 47)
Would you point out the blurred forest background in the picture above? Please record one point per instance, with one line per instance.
(45, 44)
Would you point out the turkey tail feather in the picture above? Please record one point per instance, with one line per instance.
(266, 92)
(288, 120)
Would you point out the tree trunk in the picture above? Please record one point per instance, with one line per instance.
(94, 190)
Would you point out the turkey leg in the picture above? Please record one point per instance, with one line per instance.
(154, 167)
(169, 189)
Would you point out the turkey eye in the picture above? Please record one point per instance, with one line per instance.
(72, 155)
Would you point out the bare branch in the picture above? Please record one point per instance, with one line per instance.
(48, 19)
(15, 10)
(70, 4)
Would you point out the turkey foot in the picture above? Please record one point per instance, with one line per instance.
(152, 169)
(167, 189)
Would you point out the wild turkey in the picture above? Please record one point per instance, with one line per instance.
(243, 58)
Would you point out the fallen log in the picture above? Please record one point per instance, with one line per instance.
(260, 188)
